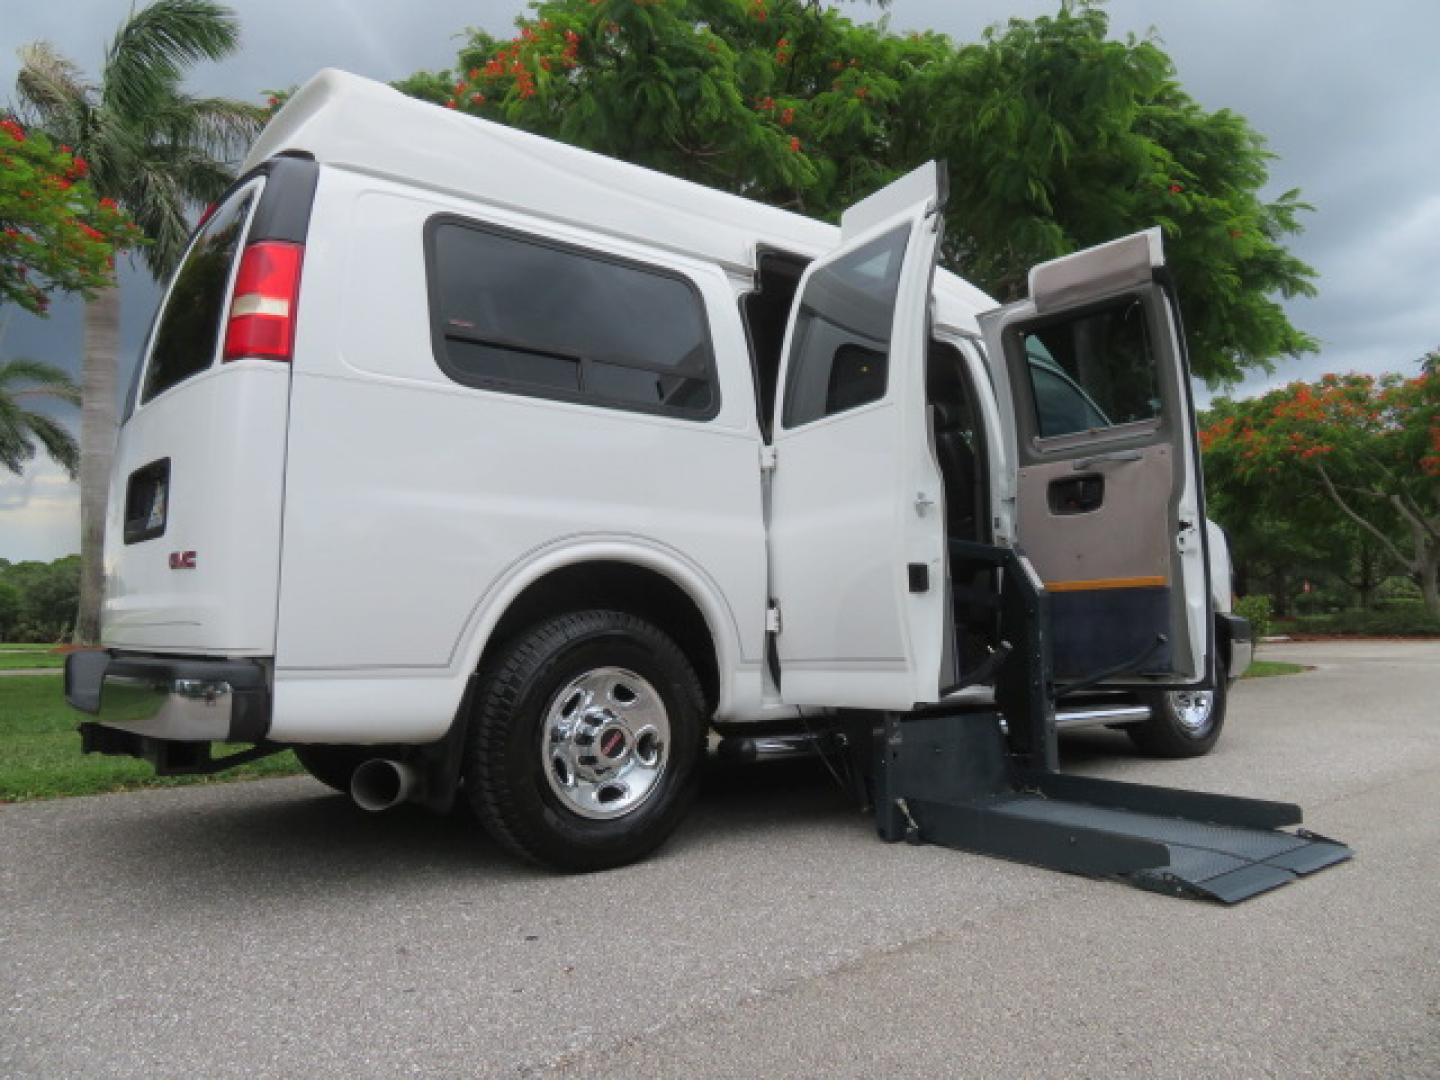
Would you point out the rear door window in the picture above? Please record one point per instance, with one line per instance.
(1093, 370)
(187, 336)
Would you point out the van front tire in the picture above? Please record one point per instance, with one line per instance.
(584, 747)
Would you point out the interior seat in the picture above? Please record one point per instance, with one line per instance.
(958, 467)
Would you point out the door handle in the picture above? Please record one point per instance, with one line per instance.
(1076, 494)
(1116, 456)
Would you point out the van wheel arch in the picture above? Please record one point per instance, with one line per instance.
(616, 586)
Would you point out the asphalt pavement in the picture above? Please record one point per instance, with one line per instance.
(269, 929)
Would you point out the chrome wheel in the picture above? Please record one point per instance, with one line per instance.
(1192, 709)
(605, 742)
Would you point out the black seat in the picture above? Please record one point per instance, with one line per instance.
(957, 467)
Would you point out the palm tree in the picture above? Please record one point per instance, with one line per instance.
(157, 152)
(21, 429)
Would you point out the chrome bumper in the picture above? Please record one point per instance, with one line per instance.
(171, 698)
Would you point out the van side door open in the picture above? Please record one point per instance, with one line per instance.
(1109, 503)
(857, 541)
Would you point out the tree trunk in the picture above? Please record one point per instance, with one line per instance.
(1279, 592)
(1366, 563)
(97, 450)
(1430, 580)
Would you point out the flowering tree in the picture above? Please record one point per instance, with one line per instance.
(1370, 446)
(56, 234)
(1057, 137)
(159, 153)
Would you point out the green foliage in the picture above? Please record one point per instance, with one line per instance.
(1060, 138)
(1257, 610)
(41, 657)
(151, 148)
(1366, 449)
(42, 756)
(1408, 621)
(22, 428)
(38, 600)
(1266, 669)
(1057, 136)
(56, 233)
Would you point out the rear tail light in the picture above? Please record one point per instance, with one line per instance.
(262, 315)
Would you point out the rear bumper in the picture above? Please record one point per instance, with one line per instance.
(171, 698)
(1242, 643)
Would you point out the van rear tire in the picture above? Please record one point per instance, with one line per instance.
(584, 746)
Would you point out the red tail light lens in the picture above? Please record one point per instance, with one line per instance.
(262, 315)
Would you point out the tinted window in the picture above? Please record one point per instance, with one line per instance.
(840, 355)
(1093, 371)
(517, 314)
(189, 330)
(1061, 405)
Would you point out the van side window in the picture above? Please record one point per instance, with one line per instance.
(189, 330)
(1095, 370)
(531, 316)
(840, 353)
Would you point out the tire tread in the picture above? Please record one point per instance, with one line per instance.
(507, 678)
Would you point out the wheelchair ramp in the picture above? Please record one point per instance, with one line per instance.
(947, 780)
(1219, 862)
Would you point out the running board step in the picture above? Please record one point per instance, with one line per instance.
(948, 780)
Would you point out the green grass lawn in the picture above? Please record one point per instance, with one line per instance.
(16, 659)
(27, 646)
(40, 751)
(1264, 669)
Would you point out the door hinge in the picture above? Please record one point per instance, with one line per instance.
(1182, 536)
(767, 458)
(772, 618)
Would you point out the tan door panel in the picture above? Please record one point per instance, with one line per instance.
(1112, 546)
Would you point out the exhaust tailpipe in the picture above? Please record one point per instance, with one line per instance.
(381, 783)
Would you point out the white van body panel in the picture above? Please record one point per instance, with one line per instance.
(415, 502)
(389, 705)
(210, 581)
(224, 434)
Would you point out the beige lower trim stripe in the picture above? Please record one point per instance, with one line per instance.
(1107, 583)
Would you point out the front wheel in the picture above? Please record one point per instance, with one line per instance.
(584, 748)
(1183, 723)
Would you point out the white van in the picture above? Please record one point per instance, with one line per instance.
(461, 460)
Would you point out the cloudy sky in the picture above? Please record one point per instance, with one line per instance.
(1347, 94)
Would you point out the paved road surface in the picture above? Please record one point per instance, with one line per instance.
(266, 929)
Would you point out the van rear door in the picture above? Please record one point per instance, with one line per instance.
(857, 539)
(1109, 501)
(192, 537)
